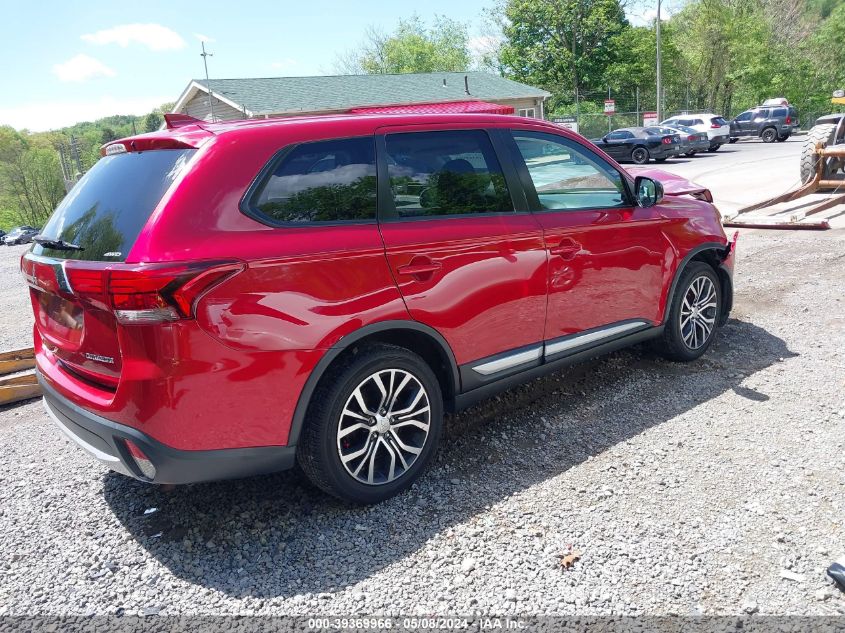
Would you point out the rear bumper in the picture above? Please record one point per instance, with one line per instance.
(719, 139)
(105, 441)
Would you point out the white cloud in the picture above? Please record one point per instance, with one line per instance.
(204, 38)
(82, 67)
(49, 115)
(154, 36)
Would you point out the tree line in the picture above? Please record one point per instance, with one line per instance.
(32, 180)
(718, 55)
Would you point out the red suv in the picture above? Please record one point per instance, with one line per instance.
(221, 300)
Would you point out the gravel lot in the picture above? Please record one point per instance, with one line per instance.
(687, 489)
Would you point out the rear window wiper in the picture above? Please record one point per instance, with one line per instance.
(59, 245)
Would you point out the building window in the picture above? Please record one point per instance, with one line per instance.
(527, 112)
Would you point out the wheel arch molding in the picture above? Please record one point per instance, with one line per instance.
(391, 331)
(717, 251)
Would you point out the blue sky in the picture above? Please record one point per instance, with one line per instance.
(72, 61)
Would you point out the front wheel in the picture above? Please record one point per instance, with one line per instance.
(373, 425)
(690, 325)
(639, 155)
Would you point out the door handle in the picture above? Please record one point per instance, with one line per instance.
(419, 267)
(567, 249)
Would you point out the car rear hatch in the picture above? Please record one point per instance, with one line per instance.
(81, 287)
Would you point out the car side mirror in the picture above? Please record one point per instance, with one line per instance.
(648, 192)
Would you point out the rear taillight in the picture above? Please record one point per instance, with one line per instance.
(788, 120)
(137, 294)
(692, 137)
(666, 140)
(151, 294)
(715, 126)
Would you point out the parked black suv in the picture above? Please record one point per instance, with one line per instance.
(770, 123)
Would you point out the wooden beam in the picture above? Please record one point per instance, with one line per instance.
(19, 388)
(17, 360)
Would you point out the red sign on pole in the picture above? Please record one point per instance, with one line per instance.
(609, 106)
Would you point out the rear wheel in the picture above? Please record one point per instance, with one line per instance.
(824, 134)
(373, 425)
(691, 153)
(769, 135)
(693, 314)
(639, 155)
(781, 139)
(713, 148)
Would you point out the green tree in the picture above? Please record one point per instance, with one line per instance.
(108, 135)
(30, 177)
(412, 48)
(153, 121)
(563, 46)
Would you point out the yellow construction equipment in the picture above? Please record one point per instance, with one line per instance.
(822, 169)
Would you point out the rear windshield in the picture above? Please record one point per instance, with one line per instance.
(106, 210)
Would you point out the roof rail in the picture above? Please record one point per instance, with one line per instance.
(174, 120)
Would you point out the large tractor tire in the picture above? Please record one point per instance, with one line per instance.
(822, 133)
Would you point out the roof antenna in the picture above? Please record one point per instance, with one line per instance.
(204, 56)
(466, 84)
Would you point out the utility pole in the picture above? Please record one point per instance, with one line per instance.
(204, 55)
(659, 94)
(610, 118)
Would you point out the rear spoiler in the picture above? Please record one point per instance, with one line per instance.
(174, 120)
(163, 139)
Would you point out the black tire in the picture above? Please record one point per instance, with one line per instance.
(713, 148)
(318, 448)
(660, 160)
(672, 344)
(823, 133)
(639, 155)
(781, 139)
(733, 140)
(769, 135)
(690, 154)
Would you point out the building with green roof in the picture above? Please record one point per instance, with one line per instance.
(289, 96)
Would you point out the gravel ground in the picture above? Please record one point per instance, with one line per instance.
(687, 489)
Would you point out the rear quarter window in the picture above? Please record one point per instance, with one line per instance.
(323, 181)
(106, 210)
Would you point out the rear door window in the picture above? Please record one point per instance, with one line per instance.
(106, 210)
(450, 172)
(324, 181)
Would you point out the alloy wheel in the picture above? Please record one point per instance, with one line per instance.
(698, 312)
(383, 427)
(639, 156)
